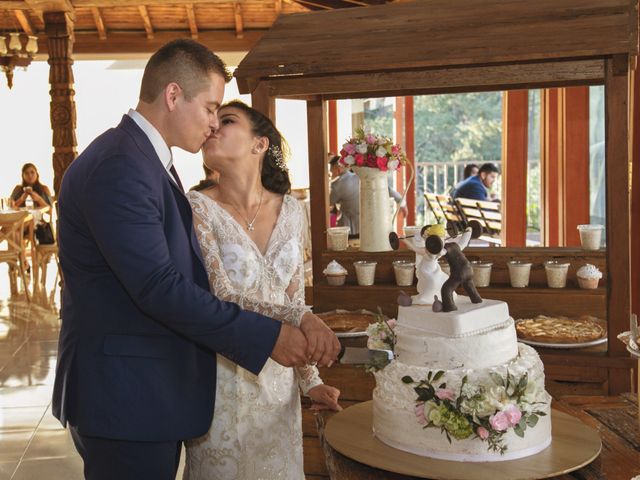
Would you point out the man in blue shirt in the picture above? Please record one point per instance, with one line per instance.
(477, 186)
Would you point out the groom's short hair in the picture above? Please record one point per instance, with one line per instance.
(185, 62)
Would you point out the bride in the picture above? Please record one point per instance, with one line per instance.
(250, 233)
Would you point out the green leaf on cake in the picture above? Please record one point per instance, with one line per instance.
(407, 379)
(532, 421)
(438, 375)
(497, 379)
(522, 384)
(429, 376)
(518, 431)
(540, 414)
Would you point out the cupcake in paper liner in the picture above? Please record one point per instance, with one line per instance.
(335, 273)
(588, 276)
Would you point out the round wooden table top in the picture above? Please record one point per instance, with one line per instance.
(573, 446)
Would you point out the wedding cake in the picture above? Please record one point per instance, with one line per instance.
(461, 387)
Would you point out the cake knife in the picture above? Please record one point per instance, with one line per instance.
(364, 356)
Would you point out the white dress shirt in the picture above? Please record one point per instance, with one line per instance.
(159, 145)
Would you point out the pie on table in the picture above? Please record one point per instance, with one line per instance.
(561, 329)
(344, 322)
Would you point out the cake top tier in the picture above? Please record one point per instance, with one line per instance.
(469, 319)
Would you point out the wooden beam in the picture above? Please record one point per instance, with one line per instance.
(410, 147)
(575, 202)
(13, 5)
(87, 43)
(550, 171)
(148, 27)
(50, 5)
(261, 101)
(635, 189)
(618, 214)
(514, 167)
(148, 3)
(313, 4)
(191, 17)
(357, 2)
(237, 13)
(278, 7)
(332, 113)
(494, 77)
(318, 183)
(97, 18)
(24, 22)
(398, 116)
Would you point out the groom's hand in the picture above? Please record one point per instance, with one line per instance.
(290, 349)
(323, 345)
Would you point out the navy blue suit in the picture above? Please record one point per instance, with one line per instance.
(140, 328)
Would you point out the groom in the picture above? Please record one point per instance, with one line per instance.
(136, 369)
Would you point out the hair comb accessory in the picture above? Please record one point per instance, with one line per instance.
(276, 153)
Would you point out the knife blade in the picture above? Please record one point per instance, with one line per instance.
(364, 356)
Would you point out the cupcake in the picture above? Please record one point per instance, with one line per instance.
(588, 276)
(335, 273)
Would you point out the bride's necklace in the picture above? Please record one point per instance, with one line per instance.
(250, 226)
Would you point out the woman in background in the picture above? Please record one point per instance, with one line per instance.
(30, 188)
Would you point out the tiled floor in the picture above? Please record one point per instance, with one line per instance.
(33, 444)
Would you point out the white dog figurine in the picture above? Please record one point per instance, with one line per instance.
(430, 275)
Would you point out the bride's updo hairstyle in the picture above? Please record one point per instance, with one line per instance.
(274, 175)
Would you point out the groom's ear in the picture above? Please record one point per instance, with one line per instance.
(171, 93)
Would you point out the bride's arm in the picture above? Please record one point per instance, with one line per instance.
(308, 377)
(203, 223)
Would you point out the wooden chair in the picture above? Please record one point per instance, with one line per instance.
(12, 226)
(44, 254)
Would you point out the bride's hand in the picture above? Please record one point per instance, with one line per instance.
(325, 397)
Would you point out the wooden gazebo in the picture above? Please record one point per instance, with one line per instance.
(444, 46)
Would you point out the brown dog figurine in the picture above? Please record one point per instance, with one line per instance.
(461, 274)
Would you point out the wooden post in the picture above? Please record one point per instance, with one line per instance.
(333, 126)
(635, 191)
(58, 28)
(575, 203)
(514, 167)
(410, 149)
(318, 182)
(398, 115)
(263, 102)
(618, 212)
(550, 168)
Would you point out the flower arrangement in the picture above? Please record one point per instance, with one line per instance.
(487, 413)
(381, 337)
(370, 150)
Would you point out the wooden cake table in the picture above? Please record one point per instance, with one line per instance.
(613, 417)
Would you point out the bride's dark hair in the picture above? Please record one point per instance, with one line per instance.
(274, 177)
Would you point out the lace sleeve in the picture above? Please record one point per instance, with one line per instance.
(308, 376)
(203, 222)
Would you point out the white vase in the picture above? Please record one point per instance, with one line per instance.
(375, 212)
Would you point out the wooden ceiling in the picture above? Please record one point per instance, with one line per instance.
(135, 26)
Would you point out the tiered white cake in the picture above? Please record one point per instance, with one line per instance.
(461, 387)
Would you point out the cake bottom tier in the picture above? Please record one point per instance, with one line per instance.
(415, 409)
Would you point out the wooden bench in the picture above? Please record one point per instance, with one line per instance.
(486, 213)
(443, 208)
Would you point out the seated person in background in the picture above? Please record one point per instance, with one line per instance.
(477, 187)
(470, 170)
(211, 178)
(345, 191)
(30, 188)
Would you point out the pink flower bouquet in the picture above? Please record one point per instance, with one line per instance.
(374, 151)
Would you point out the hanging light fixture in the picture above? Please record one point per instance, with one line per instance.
(15, 53)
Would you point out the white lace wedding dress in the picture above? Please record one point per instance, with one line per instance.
(256, 431)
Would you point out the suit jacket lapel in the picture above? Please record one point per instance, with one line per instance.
(146, 148)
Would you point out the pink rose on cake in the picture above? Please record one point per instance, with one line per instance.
(446, 394)
(499, 422)
(513, 414)
(483, 433)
